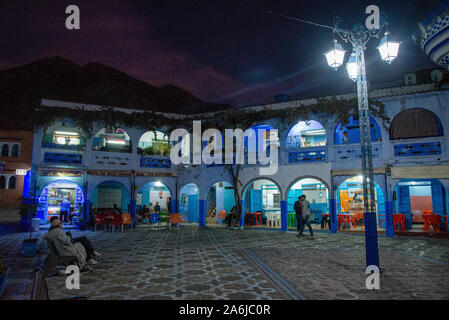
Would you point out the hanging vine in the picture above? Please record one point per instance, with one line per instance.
(339, 110)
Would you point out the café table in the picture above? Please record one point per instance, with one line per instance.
(344, 218)
(399, 218)
(324, 217)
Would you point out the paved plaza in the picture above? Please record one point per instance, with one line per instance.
(222, 263)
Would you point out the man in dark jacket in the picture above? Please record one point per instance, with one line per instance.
(299, 217)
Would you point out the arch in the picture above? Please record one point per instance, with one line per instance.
(64, 134)
(317, 192)
(15, 150)
(262, 126)
(51, 196)
(415, 123)
(154, 192)
(414, 196)
(2, 182)
(5, 150)
(112, 140)
(154, 143)
(350, 133)
(260, 178)
(12, 182)
(350, 199)
(306, 134)
(107, 193)
(222, 199)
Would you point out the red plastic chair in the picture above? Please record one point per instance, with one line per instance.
(99, 221)
(116, 221)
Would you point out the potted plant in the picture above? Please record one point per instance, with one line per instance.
(4, 272)
(30, 245)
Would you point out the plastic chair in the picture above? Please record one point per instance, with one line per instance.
(126, 219)
(222, 214)
(175, 218)
(99, 221)
(116, 221)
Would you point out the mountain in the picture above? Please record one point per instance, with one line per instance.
(23, 87)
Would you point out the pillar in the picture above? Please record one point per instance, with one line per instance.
(333, 215)
(202, 218)
(389, 219)
(242, 216)
(174, 206)
(284, 215)
(372, 255)
(133, 212)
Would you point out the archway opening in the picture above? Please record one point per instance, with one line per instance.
(154, 143)
(317, 194)
(61, 194)
(350, 203)
(64, 134)
(188, 202)
(112, 140)
(154, 197)
(418, 200)
(350, 133)
(306, 134)
(262, 204)
(219, 201)
(108, 194)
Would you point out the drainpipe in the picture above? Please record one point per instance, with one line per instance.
(133, 198)
(333, 207)
(388, 210)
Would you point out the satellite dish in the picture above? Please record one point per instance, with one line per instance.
(436, 75)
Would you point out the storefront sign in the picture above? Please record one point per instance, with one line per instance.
(60, 173)
(21, 172)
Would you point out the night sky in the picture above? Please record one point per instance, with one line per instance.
(221, 51)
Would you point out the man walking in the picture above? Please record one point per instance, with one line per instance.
(299, 218)
(306, 212)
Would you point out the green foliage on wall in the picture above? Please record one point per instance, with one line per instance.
(337, 110)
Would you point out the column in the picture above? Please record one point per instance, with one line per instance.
(284, 215)
(202, 218)
(242, 216)
(333, 215)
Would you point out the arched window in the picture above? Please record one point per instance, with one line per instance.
(5, 150)
(15, 150)
(2, 182)
(64, 134)
(112, 140)
(154, 143)
(350, 133)
(306, 134)
(415, 123)
(12, 182)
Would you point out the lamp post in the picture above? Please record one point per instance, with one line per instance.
(359, 37)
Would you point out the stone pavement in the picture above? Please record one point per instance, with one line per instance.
(221, 263)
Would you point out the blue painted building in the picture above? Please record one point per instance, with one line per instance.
(318, 157)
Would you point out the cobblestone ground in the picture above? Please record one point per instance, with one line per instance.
(219, 263)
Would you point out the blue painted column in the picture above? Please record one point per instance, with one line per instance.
(242, 216)
(87, 212)
(333, 215)
(133, 212)
(284, 215)
(174, 206)
(202, 218)
(372, 254)
(389, 219)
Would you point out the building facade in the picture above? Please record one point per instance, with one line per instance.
(318, 157)
(15, 162)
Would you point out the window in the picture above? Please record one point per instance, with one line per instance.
(306, 134)
(15, 150)
(2, 182)
(112, 140)
(12, 182)
(5, 150)
(154, 143)
(350, 133)
(415, 123)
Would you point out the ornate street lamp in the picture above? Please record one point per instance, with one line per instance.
(359, 37)
(335, 55)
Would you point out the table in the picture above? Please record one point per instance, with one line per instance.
(433, 220)
(399, 218)
(324, 217)
(344, 218)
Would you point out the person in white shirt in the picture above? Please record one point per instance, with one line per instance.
(306, 214)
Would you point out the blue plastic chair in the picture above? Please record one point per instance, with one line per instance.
(154, 218)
